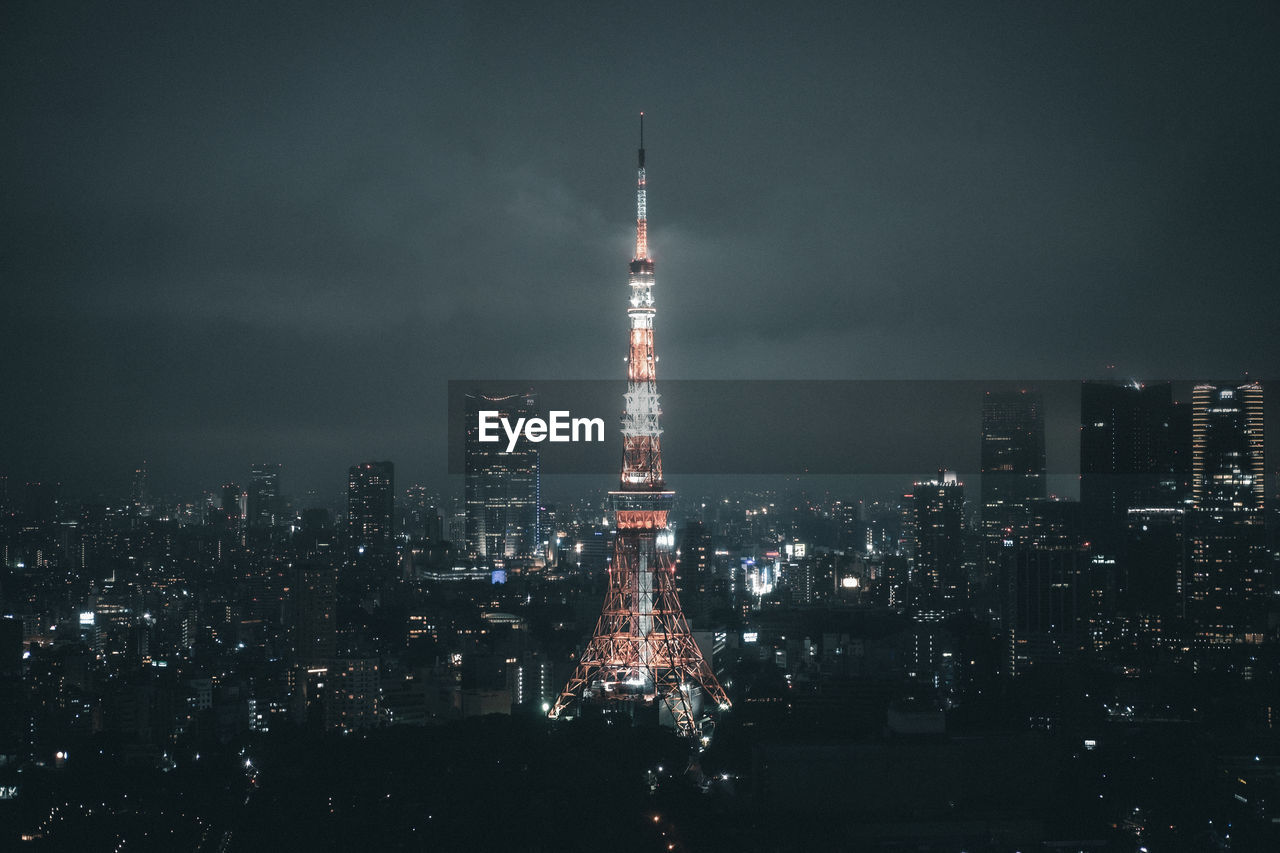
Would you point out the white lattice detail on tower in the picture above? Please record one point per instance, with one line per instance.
(642, 411)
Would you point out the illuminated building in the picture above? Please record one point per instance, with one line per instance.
(371, 508)
(351, 701)
(1153, 570)
(264, 495)
(1227, 584)
(693, 556)
(1228, 462)
(939, 585)
(695, 569)
(501, 488)
(422, 517)
(642, 651)
(1053, 595)
(315, 624)
(94, 537)
(231, 512)
(315, 536)
(1042, 619)
(1127, 454)
(140, 492)
(939, 575)
(1013, 459)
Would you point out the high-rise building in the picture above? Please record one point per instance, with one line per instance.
(694, 553)
(1043, 591)
(1155, 563)
(139, 494)
(230, 505)
(315, 625)
(264, 495)
(938, 543)
(1054, 596)
(422, 514)
(315, 536)
(1013, 459)
(1228, 579)
(1228, 463)
(939, 585)
(94, 534)
(371, 508)
(1127, 455)
(502, 489)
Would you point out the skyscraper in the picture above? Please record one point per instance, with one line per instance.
(1127, 447)
(140, 492)
(1044, 588)
(501, 488)
(1228, 584)
(1013, 459)
(229, 514)
(371, 508)
(938, 547)
(421, 514)
(1228, 464)
(315, 626)
(1052, 594)
(264, 495)
(1154, 566)
(939, 585)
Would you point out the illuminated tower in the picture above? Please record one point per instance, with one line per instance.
(642, 651)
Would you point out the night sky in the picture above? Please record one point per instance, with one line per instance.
(275, 231)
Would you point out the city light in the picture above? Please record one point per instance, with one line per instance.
(950, 525)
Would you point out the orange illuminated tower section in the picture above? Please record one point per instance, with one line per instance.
(642, 651)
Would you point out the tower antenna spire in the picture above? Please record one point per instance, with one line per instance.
(642, 224)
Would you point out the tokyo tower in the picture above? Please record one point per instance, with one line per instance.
(642, 651)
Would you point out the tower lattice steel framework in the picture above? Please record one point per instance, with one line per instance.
(642, 650)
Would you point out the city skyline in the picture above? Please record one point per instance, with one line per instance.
(290, 263)
(949, 527)
(930, 425)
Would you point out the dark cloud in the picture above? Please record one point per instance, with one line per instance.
(276, 230)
